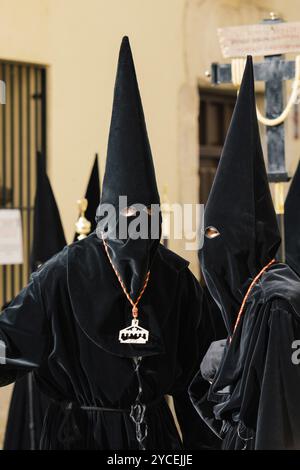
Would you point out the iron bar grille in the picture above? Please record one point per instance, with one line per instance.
(22, 134)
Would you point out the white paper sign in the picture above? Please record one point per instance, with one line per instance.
(11, 242)
(259, 39)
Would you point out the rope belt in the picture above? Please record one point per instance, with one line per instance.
(69, 431)
(73, 405)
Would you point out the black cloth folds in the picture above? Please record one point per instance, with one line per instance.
(258, 368)
(27, 411)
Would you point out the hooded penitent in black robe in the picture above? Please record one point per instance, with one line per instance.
(28, 405)
(92, 195)
(65, 324)
(253, 400)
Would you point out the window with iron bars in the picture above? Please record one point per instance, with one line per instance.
(22, 134)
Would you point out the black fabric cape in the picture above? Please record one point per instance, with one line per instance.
(259, 379)
(64, 326)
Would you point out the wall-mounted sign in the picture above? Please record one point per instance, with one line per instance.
(11, 241)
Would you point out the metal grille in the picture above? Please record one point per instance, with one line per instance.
(22, 134)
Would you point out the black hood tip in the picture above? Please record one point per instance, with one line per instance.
(129, 166)
(125, 41)
(240, 191)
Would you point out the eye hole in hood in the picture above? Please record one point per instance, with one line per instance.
(212, 232)
(132, 211)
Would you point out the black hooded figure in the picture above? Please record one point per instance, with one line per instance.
(92, 195)
(48, 232)
(75, 327)
(292, 223)
(28, 405)
(253, 399)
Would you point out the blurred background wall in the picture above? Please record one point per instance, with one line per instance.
(173, 42)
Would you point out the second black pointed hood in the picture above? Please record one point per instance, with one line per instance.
(292, 223)
(129, 172)
(48, 233)
(240, 207)
(92, 195)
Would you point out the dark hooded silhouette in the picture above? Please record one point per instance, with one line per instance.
(240, 207)
(253, 400)
(129, 172)
(65, 325)
(28, 405)
(92, 195)
(48, 233)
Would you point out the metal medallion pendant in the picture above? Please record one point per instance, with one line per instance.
(134, 333)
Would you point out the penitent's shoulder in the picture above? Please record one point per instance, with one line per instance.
(91, 245)
(171, 265)
(87, 252)
(173, 260)
(281, 286)
(56, 266)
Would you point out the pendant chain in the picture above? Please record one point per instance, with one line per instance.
(248, 293)
(134, 304)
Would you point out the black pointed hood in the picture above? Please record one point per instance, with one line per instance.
(48, 233)
(240, 208)
(129, 172)
(92, 195)
(292, 223)
(129, 165)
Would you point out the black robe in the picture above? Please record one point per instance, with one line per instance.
(64, 326)
(27, 410)
(258, 383)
